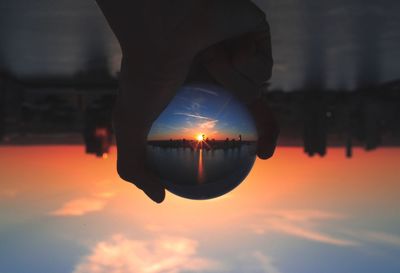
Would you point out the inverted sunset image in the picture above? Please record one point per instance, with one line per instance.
(203, 144)
(202, 112)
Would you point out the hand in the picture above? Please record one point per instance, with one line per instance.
(244, 65)
(159, 40)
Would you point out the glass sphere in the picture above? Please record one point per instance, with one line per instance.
(204, 143)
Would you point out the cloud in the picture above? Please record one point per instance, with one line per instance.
(104, 194)
(192, 115)
(376, 237)
(8, 193)
(205, 124)
(206, 91)
(194, 106)
(309, 234)
(208, 124)
(381, 237)
(307, 215)
(308, 225)
(166, 255)
(265, 262)
(82, 206)
(303, 224)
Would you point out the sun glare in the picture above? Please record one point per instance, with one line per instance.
(200, 137)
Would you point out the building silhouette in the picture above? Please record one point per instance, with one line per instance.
(316, 120)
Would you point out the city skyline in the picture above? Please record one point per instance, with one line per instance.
(312, 119)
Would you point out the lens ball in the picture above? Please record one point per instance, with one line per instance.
(203, 145)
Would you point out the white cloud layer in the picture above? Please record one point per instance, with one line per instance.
(7, 193)
(206, 91)
(208, 124)
(303, 224)
(82, 206)
(122, 255)
(266, 263)
(310, 224)
(376, 237)
(195, 116)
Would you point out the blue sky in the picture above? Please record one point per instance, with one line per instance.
(203, 109)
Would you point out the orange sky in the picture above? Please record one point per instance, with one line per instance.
(289, 178)
(332, 201)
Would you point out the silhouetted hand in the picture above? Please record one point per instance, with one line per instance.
(243, 65)
(159, 41)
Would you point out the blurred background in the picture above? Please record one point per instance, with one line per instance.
(327, 202)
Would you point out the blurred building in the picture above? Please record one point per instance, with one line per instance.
(81, 114)
(98, 133)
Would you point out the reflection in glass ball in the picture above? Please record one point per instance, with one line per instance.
(204, 143)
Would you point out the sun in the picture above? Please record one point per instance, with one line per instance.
(200, 137)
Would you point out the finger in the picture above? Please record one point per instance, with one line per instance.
(228, 19)
(252, 56)
(151, 186)
(242, 64)
(141, 178)
(213, 21)
(131, 167)
(131, 155)
(218, 62)
(267, 128)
